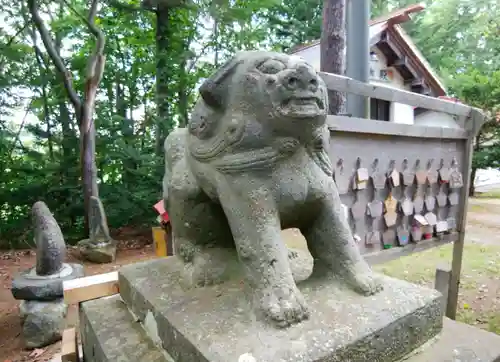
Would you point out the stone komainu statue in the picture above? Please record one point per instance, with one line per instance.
(252, 162)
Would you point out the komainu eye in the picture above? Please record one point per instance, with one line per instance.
(271, 66)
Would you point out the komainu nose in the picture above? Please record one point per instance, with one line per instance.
(303, 77)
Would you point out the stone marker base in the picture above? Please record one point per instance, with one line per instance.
(216, 323)
(99, 253)
(42, 321)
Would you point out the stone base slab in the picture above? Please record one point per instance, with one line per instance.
(110, 334)
(28, 286)
(99, 253)
(216, 324)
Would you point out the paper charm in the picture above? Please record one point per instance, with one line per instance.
(416, 234)
(408, 174)
(389, 237)
(345, 211)
(420, 220)
(454, 198)
(390, 203)
(418, 204)
(431, 218)
(442, 199)
(393, 175)
(432, 175)
(428, 231)
(403, 235)
(342, 179)
(452, 223)
(361, 175)
(442, 226)
(444, 173)
(420, 174)
(378, 178)
(375, 208)
(407, 206)
(456, 179)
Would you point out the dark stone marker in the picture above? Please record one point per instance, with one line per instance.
(50, 245)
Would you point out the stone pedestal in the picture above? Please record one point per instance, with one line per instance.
(42, 306)
(217, 324)
(100, 253)
(43, 321)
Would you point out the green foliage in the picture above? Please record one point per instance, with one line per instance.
(39, 153)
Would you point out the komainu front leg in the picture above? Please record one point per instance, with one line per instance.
(334, 250)
(256, 230)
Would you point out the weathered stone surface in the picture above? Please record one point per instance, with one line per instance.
(252, 161)
(97, 253)
(50, 245)
(43, 322)
(110, 334)
(216, 323)
(459, 343)
(30, 286)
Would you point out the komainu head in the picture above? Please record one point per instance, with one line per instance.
(281, 92)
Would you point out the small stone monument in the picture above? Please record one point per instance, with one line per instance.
(40, 289)
(99, 247)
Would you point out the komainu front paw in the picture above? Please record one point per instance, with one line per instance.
(366, 283)
(282, 305)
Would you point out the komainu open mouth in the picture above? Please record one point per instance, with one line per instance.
(303, 106)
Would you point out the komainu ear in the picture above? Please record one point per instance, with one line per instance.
(214, 90)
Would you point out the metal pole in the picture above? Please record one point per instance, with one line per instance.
(358, 53)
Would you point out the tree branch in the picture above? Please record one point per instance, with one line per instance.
(56, 58)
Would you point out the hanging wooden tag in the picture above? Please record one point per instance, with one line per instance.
(456, 179)
(442, 199)
(390, 203)
(444, 173)
(430, 202)
(452, 223)
(432, 175)
(373, 238)
(403, 235)
(442, 226)
(421, 174)
(358, 210)
(407, 207)
(420, 220)
(375, 208)
(390, 218)
(431, 218)
(393, 175)
(361, 175)
(389, 237)
(454, 198)
(416, 234)
(378, 177)
(408, 174)
(418, 204)
(342, 178)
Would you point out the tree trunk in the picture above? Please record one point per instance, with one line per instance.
(333, 42)
(162, 76)
(472, 189)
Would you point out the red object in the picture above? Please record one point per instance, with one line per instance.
(160, 208)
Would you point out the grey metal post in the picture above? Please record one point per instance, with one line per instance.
(358, 53)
